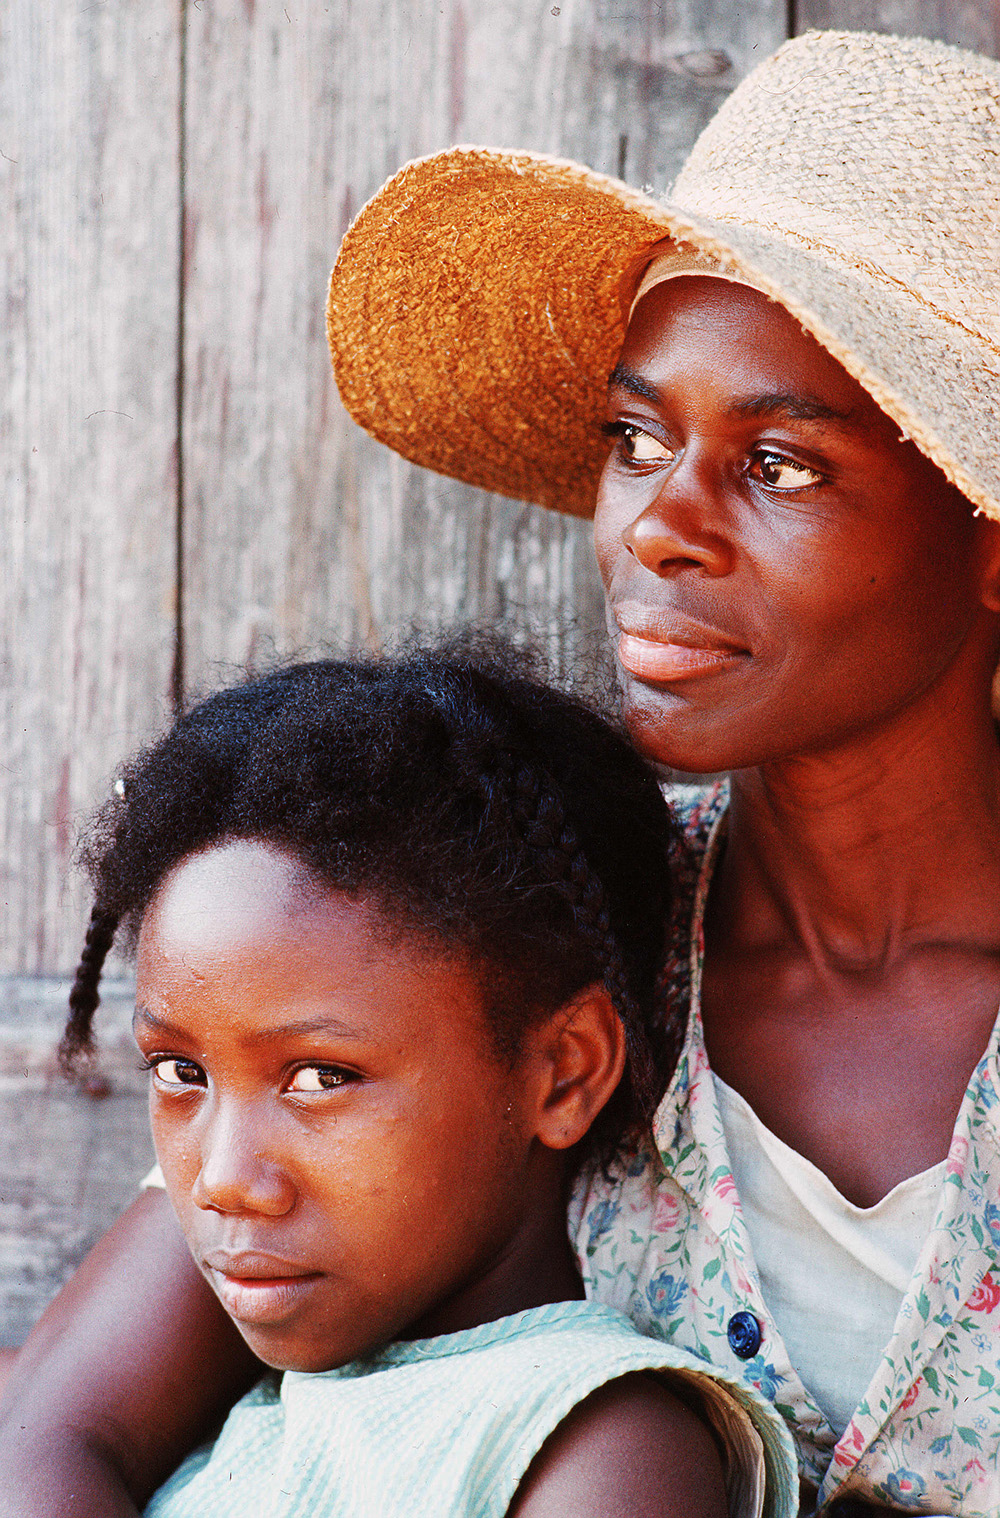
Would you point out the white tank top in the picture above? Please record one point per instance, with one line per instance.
(832, 1274)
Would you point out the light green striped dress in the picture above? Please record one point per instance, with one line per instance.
(446, 1427)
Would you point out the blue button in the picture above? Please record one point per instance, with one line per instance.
(744, 1335)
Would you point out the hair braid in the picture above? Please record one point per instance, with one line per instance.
(84, 996)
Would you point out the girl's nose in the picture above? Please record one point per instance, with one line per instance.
(683, 527)
(239, 1171)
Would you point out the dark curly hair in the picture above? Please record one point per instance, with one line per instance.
(476, 807)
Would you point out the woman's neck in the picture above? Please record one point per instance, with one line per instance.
(860, 851)
(852, 967)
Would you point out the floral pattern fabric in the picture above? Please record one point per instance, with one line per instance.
(661, 1236)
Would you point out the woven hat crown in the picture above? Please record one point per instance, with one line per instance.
(877, 152)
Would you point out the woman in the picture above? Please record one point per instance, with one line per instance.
(798, 593)
(805, 412)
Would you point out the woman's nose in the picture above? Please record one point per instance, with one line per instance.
(683, 527)
(240, 1173)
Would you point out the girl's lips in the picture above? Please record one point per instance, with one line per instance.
(663, 661)
(251, 1299)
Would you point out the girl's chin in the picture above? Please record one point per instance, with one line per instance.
(281, 1353)
(282, 1348)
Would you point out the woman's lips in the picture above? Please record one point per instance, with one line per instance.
(661, 660)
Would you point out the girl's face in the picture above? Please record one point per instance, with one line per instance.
(341, 1146)
(783, 572)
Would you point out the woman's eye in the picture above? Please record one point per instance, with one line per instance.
(177, 1072)
(318, 1078)
(638, 445)
(643, 447)
(782, 473)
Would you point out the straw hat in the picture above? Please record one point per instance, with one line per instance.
(477, 304)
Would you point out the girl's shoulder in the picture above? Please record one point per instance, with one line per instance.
(631, 1445)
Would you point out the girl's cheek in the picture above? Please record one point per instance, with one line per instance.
(177, 1149)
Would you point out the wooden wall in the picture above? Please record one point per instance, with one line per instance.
(180, 491)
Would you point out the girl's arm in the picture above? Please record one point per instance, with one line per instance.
(127, 1370)
(630, 1450)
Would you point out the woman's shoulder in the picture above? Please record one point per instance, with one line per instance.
(696, 810)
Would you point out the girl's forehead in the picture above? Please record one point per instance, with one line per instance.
(242, 938)
(244, 881)
(253, 909)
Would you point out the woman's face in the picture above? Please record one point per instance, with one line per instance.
(783, 571)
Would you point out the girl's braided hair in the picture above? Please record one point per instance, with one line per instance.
(475, 807)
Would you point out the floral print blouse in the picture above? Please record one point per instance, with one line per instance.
(661, 1236)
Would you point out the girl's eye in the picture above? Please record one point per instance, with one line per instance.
(639, 446)
(177, 1072)
(319, 1078)
(782, 473)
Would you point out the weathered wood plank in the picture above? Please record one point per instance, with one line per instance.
(68, 1164)
(88, 286)
(967, 23)
(297, 528)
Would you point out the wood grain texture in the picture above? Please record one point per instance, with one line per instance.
(297, 528)
(68, 1164)
(88, 287)
(967, 23)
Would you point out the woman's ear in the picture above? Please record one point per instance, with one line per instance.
(579, 1054)
(989, 539)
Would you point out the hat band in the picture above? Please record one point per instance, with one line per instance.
(672, 265)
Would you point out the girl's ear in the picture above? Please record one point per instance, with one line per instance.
(579, 1054)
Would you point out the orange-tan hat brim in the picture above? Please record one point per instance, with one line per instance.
(474, 318)
(476, 311)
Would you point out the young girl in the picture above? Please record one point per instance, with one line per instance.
(399, 925)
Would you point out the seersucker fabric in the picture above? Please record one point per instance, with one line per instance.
(447, 1427)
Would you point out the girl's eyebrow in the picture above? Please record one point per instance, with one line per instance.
(298, 1029)
(307, 1025)
(142, 1014)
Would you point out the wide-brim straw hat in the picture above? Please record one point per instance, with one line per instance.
(479, 300)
